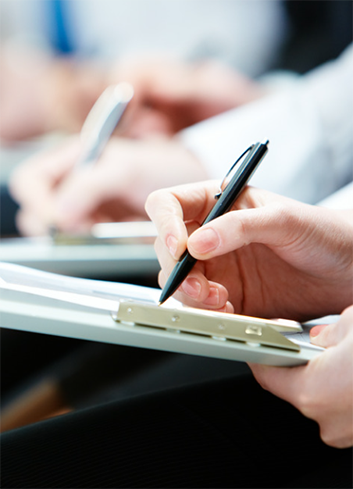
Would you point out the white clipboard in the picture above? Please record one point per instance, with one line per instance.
(128, 315)
(109, 250)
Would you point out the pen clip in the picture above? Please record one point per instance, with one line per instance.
(226, 179)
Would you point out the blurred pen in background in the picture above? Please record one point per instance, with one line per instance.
(101, 121)
(99, 125)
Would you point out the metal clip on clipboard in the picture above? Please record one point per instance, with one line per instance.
(222, 326)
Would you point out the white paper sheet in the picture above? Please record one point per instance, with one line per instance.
(90, 293)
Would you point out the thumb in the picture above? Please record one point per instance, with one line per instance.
(267, 221)
(332, 334)
(324, 335)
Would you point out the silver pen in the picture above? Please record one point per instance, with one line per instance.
(98, 127)
(102, 120)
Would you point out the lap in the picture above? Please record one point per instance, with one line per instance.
(224, 433)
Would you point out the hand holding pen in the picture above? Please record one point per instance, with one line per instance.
(268, 256)
(99, 125)
(231, 187)
(43, 184)
(188, 205)
(58, 187)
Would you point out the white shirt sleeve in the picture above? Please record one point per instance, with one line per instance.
(309, 125)
(342, 199)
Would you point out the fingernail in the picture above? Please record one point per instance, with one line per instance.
(213, 297)
(172, 244)
(204, 241)
(192, 287)
(316, 330)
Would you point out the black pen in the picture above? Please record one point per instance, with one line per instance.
(231, 187)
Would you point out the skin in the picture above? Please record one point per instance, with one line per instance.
(171, 95)
(320, 391)
(271, 257)
(39, 94)
(260, 259)
(51, 192)
(168, 96)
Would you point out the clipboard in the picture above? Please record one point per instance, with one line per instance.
(109, 314)
(109, 250)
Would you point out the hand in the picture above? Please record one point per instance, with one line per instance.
(270, 256)
(39, 94)
(23, 99)
(171, 95)
(51, 193)
(323, 389)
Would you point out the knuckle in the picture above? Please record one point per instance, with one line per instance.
(151, 199)
(325, 435)
(348, 312)
(260, 375)
(285, 212)
(336, 436)
(306, 403)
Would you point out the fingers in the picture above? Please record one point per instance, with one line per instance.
(29, 224)
(81, 194)
(74, 204)
(258, 218)
(322, 389)
(333, 334)
(53, 192)
(173, 210)
(196, 290)
(165, 211)
(33, 185)
(285, 383)
(37, 176)
(170, 208)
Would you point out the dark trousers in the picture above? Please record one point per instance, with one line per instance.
(224, 433)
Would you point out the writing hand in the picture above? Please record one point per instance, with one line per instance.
(269, 257)
(51, 192)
